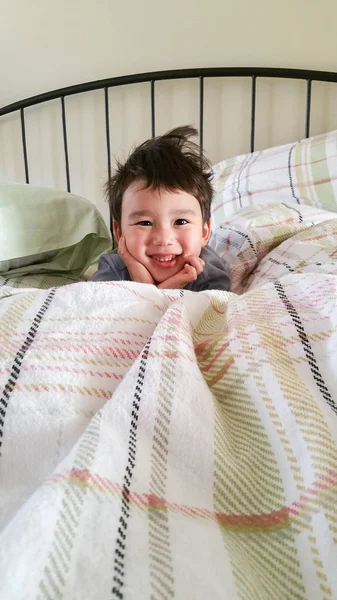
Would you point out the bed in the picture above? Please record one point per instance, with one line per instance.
(168, 444)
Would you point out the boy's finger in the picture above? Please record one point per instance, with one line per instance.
(193, 260)
(196, 263)
(186, 275)
(191, 272)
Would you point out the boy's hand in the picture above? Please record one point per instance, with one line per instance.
(192, 268)
(137, 271)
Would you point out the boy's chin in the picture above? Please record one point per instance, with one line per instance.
(161, 272)
(161, 277)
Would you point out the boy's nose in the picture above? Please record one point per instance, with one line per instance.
(162, 237)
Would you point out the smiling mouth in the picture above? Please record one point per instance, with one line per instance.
(164, 261)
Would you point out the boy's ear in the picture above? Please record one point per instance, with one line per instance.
(116, 230)
(206, 232)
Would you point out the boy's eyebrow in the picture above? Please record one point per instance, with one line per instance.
(139, 213)
(147, 213)
(187, 211)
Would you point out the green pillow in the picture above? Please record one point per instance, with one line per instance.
(44, 230)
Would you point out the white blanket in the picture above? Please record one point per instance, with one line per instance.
(172, 444)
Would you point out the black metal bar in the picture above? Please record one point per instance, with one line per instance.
(153, 109)
(107, 130)
(24, 144)
(201, 114)
(64, 127)
(108, 152)
(308, 109)
(172, 74)
(252, 126)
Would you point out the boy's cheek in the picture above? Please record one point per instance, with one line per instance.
(135, 246)
(133, 237)
(191, 247)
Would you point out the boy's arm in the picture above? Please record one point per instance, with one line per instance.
(106, 270)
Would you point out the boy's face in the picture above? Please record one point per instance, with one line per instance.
(160, 227)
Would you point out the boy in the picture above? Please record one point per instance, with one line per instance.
(160, 201)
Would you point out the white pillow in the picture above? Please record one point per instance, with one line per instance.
(303, 172)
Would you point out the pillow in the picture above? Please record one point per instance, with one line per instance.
(303, 172)
(44, 230)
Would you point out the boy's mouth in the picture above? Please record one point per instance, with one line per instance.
(164, 260)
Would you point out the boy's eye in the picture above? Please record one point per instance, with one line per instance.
(181, 222)
(144, 223)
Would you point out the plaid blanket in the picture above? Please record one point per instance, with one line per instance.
(167, 444)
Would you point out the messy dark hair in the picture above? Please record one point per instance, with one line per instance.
(171, 161)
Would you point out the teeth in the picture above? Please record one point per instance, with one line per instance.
(166, 259)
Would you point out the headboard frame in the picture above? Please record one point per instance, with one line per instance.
(253, 72)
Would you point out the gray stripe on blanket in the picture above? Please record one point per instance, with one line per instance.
(290, 174)
(307, 347)
(18, 360)
(119, 562)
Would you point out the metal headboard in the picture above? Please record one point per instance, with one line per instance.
(250, 72)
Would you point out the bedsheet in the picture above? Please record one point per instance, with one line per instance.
(44, 281)
(171, 444)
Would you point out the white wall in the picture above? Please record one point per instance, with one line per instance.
(50, 43)
(46, 44)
